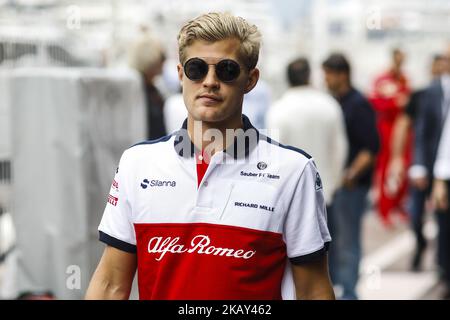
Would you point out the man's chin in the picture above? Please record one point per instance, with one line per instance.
(208, 114)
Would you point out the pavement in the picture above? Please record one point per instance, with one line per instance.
(385, 269)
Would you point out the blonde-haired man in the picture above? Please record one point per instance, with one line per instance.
(216, 210)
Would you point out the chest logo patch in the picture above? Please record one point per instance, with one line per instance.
(157, 183)
(261, 165)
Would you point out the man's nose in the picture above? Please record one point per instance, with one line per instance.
(211, 79)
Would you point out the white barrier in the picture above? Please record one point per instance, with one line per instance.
(69, 128)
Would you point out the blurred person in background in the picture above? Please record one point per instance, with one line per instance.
(312, 120)
(147, 56)
(257, 103)
(430, 122)
(397, 168)
(389, 98)
(441, 200)
(349, 203)
(439, 65)
(174, 112)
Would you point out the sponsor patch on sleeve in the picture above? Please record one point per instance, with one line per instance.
(115, 185)
(112, 200)
(318, 182)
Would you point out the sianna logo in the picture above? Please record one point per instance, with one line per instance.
(199, 244)
(157, 183)
(144, 184)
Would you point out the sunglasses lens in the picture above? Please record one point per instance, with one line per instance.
(195, 69)
(227, 70)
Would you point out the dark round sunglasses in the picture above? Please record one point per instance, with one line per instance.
(227, 70)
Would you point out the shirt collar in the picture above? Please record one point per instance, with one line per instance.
(185, 148)
(445, 83)
(346, 96)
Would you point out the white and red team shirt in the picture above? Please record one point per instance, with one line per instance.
(225, 230)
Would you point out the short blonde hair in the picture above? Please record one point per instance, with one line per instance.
(218, 26)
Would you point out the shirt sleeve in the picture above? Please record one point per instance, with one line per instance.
(442, 164)
(364, 127)
(116, 227)
(305, 229)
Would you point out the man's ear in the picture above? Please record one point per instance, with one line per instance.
(180, 73)
(252, 80)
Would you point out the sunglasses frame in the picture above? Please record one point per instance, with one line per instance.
(215, 69)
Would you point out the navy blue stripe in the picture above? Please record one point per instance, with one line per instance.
(276, 143)
(116, 243)
(162, 139)
(311, 257)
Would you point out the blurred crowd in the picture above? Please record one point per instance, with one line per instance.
(385, 150)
